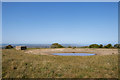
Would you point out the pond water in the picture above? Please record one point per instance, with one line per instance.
(74, 54)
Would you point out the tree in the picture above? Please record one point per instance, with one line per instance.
(117, 46)
(94, 46)
(100, 46)
(9, 47)
(56, 45)
(108, 46)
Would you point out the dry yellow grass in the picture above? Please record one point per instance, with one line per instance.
(17, 64)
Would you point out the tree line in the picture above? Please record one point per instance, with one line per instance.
(57, 45)
(105, 46)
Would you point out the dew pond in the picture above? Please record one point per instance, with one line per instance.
(73, 54)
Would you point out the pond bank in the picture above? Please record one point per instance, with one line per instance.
(49, 51)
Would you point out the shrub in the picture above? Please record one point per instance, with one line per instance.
(100, 46)
(117, 46)
(56, 45)
(9, 47)
(94, 46)
(108, 46)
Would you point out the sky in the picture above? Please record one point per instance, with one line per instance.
(60, 0)
(61, 22)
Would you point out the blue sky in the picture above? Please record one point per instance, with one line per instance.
(62, 22)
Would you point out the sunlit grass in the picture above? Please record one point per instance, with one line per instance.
(17, 64)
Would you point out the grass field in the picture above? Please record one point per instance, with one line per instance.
(17, 64)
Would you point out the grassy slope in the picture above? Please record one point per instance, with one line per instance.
(17, 64)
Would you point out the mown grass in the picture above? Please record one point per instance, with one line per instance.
(17, 64)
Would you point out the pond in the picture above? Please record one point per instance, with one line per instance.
(74, 54)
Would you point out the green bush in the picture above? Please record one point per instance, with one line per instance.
(108, 46)
(117, 46)
(100, 46)
(9, 47)
(94, 46)
(56, 45)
